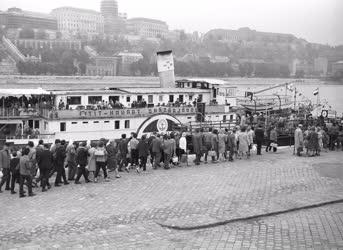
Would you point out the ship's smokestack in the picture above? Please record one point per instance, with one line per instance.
(165, 68)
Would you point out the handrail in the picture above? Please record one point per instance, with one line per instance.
(18, 112)
(13, 49)
(25, 137)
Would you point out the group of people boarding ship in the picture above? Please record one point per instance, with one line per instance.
(32, 165)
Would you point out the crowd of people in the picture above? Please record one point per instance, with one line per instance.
(36, 165)
(314, 139)
(23, 103)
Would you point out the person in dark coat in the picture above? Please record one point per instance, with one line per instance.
(82, 161)
(59, 163)
(44, 160)
(207, 140)
(157, 151)
(151, 138)
(259, 136)
(143, 152)
(5, 159)
(197, 146)
(14, 168)
(123, 151)
(168, 149)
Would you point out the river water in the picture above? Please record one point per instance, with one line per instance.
(329, 92)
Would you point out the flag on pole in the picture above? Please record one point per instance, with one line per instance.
(316, 91)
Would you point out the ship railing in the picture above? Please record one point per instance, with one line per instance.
(18, 112)
(29, 137)
(229, 124)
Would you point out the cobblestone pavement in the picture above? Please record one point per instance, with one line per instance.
(126, 213)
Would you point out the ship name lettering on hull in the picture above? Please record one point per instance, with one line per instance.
(135, 112)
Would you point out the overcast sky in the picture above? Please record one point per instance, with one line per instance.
(317, 21)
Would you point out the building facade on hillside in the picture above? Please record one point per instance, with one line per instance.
(337, 68)
(51, 44)
(146, 27)
(321, 66)
(112, 22)
(15, 18)
(74, 21)
(301, 65)
(246, 34)
(126, 59)
(103, 66)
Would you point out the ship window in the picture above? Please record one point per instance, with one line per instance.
(189, 117)
(127, 123)
(190, 97)
(171, 98)
(231, 117)
(128, 99)
(94, 99)
(160, 98)
(31, 123)
(62, 126)
(106, 121)
(150, 98)
(74, 100)
(74, 123)
(85, 122)
(45, 125)
(224, 118)
(96, 122)
(116, 124)
(36, 124)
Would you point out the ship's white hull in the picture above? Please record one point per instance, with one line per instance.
(110, 128)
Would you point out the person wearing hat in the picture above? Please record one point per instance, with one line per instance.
(298, 140)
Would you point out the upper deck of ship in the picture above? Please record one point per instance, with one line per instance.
(51, 83)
